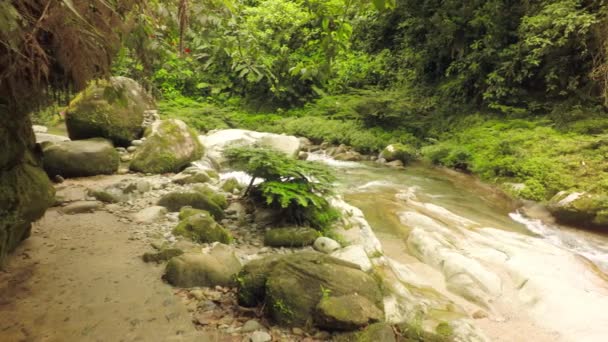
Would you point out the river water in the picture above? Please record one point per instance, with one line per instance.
(522, 278)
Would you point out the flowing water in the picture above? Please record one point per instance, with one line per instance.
(523, 279)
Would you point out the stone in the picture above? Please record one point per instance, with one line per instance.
(580, 209)
(291, 286)
(80, 158)
(80, 207)
(348, 156)
(50, 138)
(348, 312)
(202, 228)
(290, 237)
(381, 332)
(111, 109)
(39, 129)
(303, 155)
(326, 245)
(260, 336)
(121, 150)
(401, 152)
(163, 255)
(174, 201)
(355, 254)
(217, 268)
(131, 149)
(251, 325)
(198, 177)
(231, 185)
(136, 143)
(150, 214)
(395, 163)
(170, 146)
(218, 141)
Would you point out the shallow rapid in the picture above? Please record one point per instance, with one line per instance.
(519, 277)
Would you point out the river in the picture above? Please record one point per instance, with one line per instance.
(522, 278)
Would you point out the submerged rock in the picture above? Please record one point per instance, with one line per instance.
(290, 237)
(170, 147)
(112, 109)
(195, 269)
(80, 158)
(292, 286)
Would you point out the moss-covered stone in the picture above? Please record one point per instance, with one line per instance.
(293, 285)
(373, 333)
(401, 152)
(201, 227)
(170, 147)
(163, 255)
(174, 201)
(199, 177)
(580, 209)
(81, 158)
(231, 185)
(348, 312)
(186, 212)
(291, 237)
(218, 268)
(112, 109)
(216, 197)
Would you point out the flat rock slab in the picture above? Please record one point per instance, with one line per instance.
(81, 207)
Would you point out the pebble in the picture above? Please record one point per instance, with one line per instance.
(260, 336)
(131, 149)
(326, 245)
(251, 325)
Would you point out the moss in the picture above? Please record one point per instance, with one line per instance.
(202, 228)
(186, 212)
(81, 158)
(174, 201)
(103, 196)
(290, 237)
(199, 177)
(163, 255)
(231, 184)
(377, 332)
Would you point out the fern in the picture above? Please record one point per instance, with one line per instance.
(297, 188)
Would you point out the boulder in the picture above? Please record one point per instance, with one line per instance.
(355, 254)
(150, 214)
(290, 237)
(326, 245)
(292, 286)
(80, 158)
(202, 228)
(348, 156)
(580, 209)
(375, 332)
(169, 147)
(218, 268)
(401, 152)
(50, 138)
(174, 201)
(218, 141)
(348, 312)
(80, 207)
(112, 109)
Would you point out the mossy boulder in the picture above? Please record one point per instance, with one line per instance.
(25, 190)
(348, 312)
(231, 185)
(174, 201)
(199, 177)
(81, 158)
(202, 228)
(215, 196)
(169, 147)
(292, 286)
(291, 237)
(112, 109)
(580, 209)
(404, 153)
(218, 268)
(373, 333)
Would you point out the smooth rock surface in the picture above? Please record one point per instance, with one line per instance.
(326, 245)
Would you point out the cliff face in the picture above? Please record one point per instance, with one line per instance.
(25, 190)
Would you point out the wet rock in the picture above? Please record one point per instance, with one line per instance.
(291, 286)
(348, 312)
(50, 138)
(80, 158)
(201, 227)
(195, 269)
(326, 245)
(580, 208)
(290, 237)
(81, 207)
(111, 109)
(399, 152)
(150, 214)
(163, 255)
(170, 147)
(355, 254)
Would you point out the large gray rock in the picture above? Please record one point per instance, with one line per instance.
(217, 268)
(169, 147)
(113, 109)
(580, 209)
(292, 286)
(217, 142)
(80, 158)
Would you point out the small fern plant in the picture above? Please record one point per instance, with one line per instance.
(299, 189)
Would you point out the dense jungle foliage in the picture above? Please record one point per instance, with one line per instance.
(513, 91)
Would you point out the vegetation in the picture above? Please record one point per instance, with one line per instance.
(298, 189)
